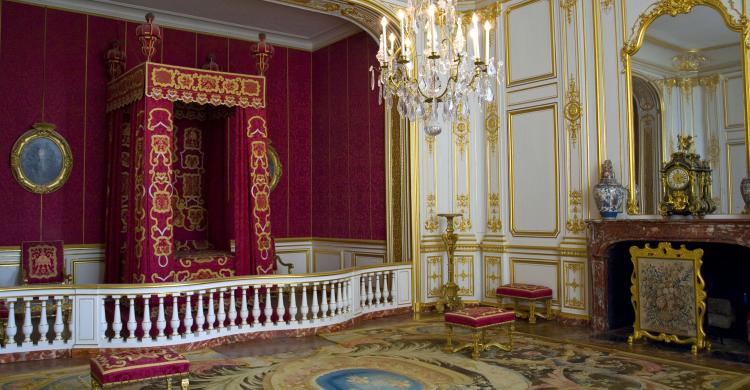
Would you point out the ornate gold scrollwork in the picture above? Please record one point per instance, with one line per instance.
(573, 110)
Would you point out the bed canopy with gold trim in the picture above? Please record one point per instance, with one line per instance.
(164, 122)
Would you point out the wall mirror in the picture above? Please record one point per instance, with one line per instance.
(685, 75)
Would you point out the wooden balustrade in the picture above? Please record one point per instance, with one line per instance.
(111, 316)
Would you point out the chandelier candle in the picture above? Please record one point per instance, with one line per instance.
(435, 84)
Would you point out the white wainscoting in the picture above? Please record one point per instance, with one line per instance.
(86, 264)
(310, 255)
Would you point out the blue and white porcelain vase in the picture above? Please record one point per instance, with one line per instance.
(609, 195)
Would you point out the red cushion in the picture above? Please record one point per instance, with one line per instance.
(137, 364)
(43, 261)
(480, 316)
(523, 290)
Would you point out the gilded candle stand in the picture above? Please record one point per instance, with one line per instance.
(449, 292)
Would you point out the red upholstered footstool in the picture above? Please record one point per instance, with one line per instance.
(532, 293)
(479, 319)
(113, 368)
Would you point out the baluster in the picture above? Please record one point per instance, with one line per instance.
(10, 328)
(243, 311)
(188, 320)
(362, 292)
(389, 288)
(267, 308)
(256, 306)
(293, 307)
(102, 317)
(59, 326)
(232, 309)
(340, 296)
(211, 318)
(43, 325)
(303, 308)
(315, 306)
(117, 323)
(347, 296)
(334, 305)
(378, 294)
(161, 322)
(131, 318)
(324, 299)
(386, 288)
(222, 314)
(200, 318)
(146, 325)
(174, 322)
(370, 295)
(280, 309)
(27, 327)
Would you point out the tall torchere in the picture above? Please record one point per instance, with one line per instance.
(449, 292)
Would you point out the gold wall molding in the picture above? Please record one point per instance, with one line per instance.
(510, 82)
(552, 107)
(493, 275)
(574, 280)
(492, 126)
(461, 132)
(434, 275)
(569, 7)
(576, 223)
(465, 275)
(573, 110)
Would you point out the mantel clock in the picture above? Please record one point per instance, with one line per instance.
(686, 182)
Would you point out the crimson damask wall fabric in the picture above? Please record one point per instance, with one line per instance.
(52, 61)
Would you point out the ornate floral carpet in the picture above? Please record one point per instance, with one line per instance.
(409, 356)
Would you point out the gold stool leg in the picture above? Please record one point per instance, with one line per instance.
(449, 342)
(95, 385)
(169, 383)
(532, 312)
(185, 383)
(548, 303)
(510, 336)
(475, 352)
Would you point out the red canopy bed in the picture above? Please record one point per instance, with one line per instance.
(188, 174)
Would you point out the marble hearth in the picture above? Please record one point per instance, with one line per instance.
(726, 242)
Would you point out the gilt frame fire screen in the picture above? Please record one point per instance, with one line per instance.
(668, 295)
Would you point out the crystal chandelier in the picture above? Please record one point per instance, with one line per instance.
(446, 74)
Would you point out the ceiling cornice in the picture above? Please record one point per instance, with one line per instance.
(113, 9)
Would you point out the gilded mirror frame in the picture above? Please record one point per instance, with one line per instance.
(738, 24)
(41, 131)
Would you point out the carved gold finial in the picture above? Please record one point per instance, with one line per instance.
(686, 143)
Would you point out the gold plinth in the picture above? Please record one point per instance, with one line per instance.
(449, 292)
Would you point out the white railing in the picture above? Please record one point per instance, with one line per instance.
(44, 318)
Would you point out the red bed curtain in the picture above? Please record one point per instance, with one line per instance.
(140, 232)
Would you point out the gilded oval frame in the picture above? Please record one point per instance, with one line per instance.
(41, 131)
(275, 177)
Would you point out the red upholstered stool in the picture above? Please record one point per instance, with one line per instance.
(532, 293)
(114, 368)
(479, 319)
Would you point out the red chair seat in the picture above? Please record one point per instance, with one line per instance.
(525, 291)
(480, 316)
(137, 364)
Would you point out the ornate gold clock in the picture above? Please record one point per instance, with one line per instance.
(686, 182)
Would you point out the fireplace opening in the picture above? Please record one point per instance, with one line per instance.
(726, 271)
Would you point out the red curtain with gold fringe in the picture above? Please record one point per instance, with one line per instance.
(140, 230)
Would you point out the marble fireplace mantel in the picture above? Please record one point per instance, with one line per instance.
(605, 233)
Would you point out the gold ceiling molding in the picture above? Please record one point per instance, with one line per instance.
(364, 13)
